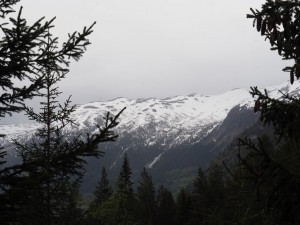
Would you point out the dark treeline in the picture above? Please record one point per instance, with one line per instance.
(218, 195)
(201, 202)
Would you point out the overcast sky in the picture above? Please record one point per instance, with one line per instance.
(161, 48)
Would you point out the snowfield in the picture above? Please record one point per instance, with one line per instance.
(170, 121)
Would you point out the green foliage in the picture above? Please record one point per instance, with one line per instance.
(214, 198)
(119, 207)
(105, 213)
(102, 207)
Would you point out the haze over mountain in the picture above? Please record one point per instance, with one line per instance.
(171, 137)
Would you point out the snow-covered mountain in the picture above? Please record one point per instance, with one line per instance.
(170, 121)
(163, 134)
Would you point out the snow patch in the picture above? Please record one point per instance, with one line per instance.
(156, 159)
(170, 121)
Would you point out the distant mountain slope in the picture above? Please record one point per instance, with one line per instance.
(171, 137)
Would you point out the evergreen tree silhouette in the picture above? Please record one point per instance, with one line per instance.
(103, 190)
(124, 196)
(273, 165)
(146, 199)
(37, 190)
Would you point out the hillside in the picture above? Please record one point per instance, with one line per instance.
(171, 137)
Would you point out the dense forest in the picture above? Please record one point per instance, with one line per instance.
(213, 197)
(259, 184)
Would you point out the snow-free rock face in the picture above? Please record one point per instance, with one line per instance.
(164, 135)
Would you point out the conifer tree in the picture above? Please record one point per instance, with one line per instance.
(277, 175)
(118, 209)
(61, 157)
(146, 199)
(184, 207)
(166, 208)
(103, 190)
(37, 191)
(23, 54)
(124, 196)
(199, 197)
(71, 212)
(215, 193)
(100, 210)
(124, 183)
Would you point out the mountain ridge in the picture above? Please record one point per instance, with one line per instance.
(163, 135)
